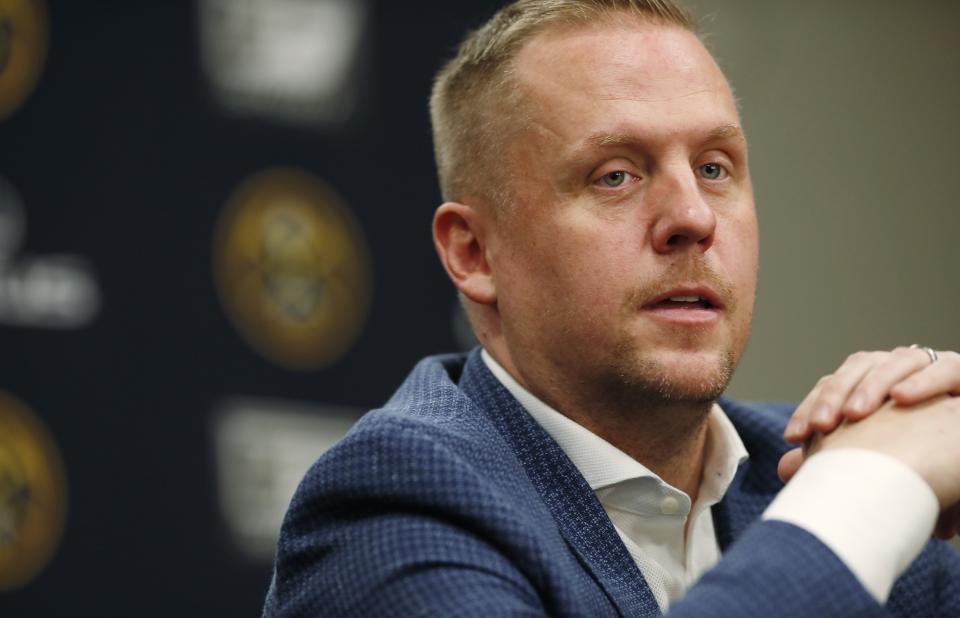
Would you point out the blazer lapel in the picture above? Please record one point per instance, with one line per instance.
(581, 519)
(738, 509)
(756, 483)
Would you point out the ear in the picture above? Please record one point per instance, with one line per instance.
(459, 236)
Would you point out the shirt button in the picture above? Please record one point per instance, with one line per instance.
(669, 506)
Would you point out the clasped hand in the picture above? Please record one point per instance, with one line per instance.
(914, 407)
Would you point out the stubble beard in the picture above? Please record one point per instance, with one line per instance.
(637, 379)
(637, 376)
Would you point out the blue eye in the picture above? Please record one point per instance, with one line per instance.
(614, 179)
(711, 171)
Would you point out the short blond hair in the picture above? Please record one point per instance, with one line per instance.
(475, 104)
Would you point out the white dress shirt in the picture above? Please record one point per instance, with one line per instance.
(874, 512)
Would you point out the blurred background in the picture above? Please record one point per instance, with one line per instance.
(215, 254)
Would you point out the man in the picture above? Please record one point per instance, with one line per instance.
(599, 225)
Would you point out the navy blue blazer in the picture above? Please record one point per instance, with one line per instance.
(452, 501)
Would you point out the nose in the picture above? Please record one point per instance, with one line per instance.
(684, 219)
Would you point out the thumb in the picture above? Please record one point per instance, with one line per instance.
(789, 464)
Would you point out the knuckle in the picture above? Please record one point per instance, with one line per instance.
(856, 357)
(832, 392)
(830, 387)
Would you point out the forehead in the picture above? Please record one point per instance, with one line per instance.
(625, 67)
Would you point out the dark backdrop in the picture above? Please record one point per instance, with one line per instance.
(121, 156)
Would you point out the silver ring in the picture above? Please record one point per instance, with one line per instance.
(930, 352)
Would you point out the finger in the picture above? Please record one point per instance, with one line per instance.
(798, 429)
(826, 412)
(789, 464)
(870, 393)
(939, 378)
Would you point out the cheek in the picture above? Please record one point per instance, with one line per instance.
(594, 261)
(740, 250)
(575, 265)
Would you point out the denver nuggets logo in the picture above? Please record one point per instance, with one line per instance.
(292, 269)
(23, 48)
(33, 495)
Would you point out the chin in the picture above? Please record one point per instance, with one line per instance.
(674, 376)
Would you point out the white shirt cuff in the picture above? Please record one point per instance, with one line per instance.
(873, 511)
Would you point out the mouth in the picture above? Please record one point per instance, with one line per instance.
(686, 298)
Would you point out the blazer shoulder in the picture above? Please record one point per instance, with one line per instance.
(424, 481)
(431, 445)
(403, 451)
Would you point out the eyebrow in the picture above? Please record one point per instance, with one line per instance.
(723, 132)
(726, 131)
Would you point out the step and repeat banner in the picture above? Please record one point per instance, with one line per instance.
(214, 256)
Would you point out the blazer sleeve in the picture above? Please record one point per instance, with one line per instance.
(778, 569)
(948, 581)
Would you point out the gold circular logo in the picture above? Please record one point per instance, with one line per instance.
(33, 495)
(23, 49)
(292, 269)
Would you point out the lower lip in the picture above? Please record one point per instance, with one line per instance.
(684, 316)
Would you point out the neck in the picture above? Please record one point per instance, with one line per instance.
(668, 437)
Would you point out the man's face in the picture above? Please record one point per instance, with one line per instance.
(630, 187)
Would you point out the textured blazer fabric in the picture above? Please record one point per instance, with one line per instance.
(452, 501)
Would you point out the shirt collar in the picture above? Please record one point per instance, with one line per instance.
(603, 465)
